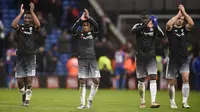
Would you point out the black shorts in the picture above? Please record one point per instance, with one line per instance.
(173, 68)
(145, 66)
(88, 69)
(25, 66)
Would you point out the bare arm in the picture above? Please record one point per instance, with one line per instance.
(171, 22)
(190, 22)
(16, 20)
(35, 19)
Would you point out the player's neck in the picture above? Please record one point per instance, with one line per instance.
(177, 26)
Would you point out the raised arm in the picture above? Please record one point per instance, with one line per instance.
(160, 32)
(78, 22)
(75, 26)
(137, 28)
(190, 22)
(35, 19)
(16, 20)
(92, 21)
(171, 22)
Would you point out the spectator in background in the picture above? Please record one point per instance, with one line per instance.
(104, 47)
(120, 57)
(196, 70)
(41, 61)
(64, 45)
(72, 66)
(2, 74)
(105, 67)
(105, 61)
(52, 59)
(130, 68)
(2, 35)
(105, 80)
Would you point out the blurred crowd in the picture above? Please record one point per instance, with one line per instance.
(56, 49)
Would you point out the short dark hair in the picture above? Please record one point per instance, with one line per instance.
(86, 22)
(144, 13)
(27, 12)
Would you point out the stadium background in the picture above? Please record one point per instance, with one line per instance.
(55, 44)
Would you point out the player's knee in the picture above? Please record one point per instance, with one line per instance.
(82, 81)
(152, 77)
(141, 79)
(172, 82)
(96, 81)
(185, 80)
(20, 83)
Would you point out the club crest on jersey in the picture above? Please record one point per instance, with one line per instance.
(89, 36)
(89, 33)
(151, 29)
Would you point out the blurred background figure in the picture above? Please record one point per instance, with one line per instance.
(119, 71)
(106, 71)
(196, 70)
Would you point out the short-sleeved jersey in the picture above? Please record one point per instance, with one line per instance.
(177, 42)
(25, 39)
(86, 45)
(145, 40)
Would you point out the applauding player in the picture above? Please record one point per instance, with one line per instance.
(26, 59)
(87, 64)
(177, 31)
(146, 32)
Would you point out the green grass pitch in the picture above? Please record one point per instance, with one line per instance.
(65, 100)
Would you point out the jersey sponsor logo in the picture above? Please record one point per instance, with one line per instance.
(148, 33)
(179, 34)
(28, 32)
(88, 37)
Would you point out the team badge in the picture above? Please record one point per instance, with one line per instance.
(30, 28)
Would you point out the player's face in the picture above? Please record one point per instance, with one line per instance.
(144, 19)
(180, 21)
(28, 19)
(86, 27)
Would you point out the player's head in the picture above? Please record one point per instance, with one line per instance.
(86, 26)
(180, 20)
(28, 18)
(144, 17)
